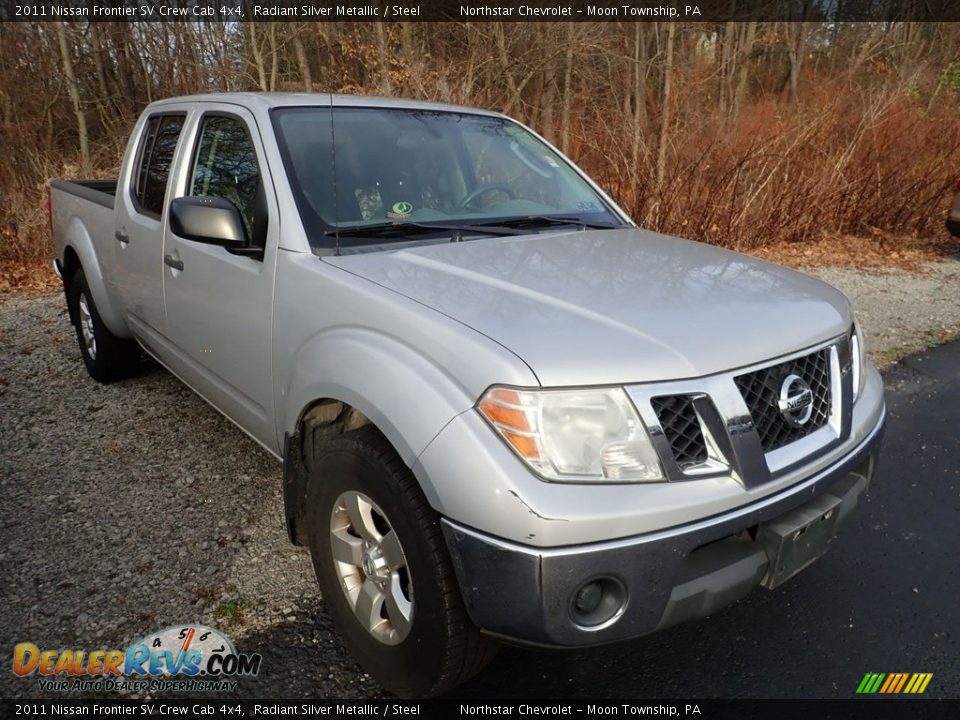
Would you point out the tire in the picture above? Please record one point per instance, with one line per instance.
(106, 356)
(358, 474)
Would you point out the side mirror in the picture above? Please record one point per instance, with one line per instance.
(210, 220)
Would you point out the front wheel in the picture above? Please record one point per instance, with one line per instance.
(106, 356)
(384, 570)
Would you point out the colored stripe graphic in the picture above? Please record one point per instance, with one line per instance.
(894, 683)
(870, 683)
(891, 684)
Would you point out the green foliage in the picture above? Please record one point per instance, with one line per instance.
(232, 612)
(951, 76)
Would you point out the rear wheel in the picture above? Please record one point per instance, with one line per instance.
(106, 356)
(384, 570)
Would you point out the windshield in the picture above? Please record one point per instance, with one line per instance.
(367, 169)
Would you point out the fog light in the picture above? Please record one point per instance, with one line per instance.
(598, 602)
(588, 598)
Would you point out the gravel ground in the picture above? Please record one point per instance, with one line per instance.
(901, 312)
(136, 506)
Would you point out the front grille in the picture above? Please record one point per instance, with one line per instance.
(682, 428)
(761, 392)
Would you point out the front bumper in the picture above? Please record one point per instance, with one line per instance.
(526, 593)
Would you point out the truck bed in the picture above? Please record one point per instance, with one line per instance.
(101, 192)
(82, 214)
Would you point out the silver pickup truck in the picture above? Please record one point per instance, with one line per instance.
(503, 410)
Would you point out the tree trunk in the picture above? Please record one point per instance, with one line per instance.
(666, 99)
(73, 89)
(386, 87)
(506, 66)
(104, 104)
(795, 35)
(640, 119)
(567, 90)
(728, 67)
(305, 75)
(274, 57)
(745, 51)
(547, 100)
(257, 52)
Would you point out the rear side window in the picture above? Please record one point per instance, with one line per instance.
(156, 155)
(225, 166)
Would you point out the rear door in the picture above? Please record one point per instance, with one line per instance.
(219, 304)
(138, 237)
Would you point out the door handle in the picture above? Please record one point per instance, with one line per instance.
(122, 236)
(173, 262)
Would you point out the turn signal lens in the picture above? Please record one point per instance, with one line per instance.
(504, 409)
(525, 445)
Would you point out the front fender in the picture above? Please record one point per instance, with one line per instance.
(408, 397)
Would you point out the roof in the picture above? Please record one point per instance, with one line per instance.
(269, 100)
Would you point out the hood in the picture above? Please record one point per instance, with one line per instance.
(614, 306)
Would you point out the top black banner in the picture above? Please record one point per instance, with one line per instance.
(828, 11)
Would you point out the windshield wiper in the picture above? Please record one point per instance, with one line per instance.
(508, 226)
(409, 227)
(550, 220)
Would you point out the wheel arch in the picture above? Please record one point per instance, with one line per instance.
(320, 418)
(80, 253)
(368, 379)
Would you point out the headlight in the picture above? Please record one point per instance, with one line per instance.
(858, 355)
(590, 435)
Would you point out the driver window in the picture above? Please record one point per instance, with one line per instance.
(511, 170)
(225, 165)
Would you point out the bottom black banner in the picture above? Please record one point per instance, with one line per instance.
(866, 709)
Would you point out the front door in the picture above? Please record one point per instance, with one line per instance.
(219, 304)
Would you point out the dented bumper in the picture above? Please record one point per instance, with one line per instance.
(531, 594)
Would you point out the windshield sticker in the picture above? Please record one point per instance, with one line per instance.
(400, 210)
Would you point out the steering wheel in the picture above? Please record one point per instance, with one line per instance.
(481, 191)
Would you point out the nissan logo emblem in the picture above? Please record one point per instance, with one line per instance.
(796, 401)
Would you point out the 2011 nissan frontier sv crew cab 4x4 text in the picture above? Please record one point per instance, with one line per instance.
(503, 410)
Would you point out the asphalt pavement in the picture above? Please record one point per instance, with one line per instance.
(885, 598)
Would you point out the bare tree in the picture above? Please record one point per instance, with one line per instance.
(666, 98)
(73, 89)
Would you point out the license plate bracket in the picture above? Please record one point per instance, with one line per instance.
(794, 540)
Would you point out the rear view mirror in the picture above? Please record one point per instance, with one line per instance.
(211, 220)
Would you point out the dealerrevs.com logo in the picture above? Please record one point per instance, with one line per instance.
(182, 658)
